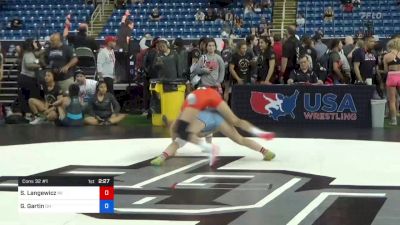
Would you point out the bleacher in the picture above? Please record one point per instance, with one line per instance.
(385, 15)
(41, 17)
(179, 20)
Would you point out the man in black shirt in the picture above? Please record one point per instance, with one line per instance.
(81, 39)
(289, 54)
(240, 65)
(61, 59)
(125, 33)
(307, 48)
(304, 74)
(364, 60)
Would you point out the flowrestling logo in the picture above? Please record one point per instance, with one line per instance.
(315, 106)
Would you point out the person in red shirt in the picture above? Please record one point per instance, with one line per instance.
(278, 54)
(208, 98)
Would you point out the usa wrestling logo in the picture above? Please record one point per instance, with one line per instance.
(274, 105)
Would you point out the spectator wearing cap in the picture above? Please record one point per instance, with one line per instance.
(87, 87)
(80, 39)
(62, 60)
(106, 63)
(166, 62)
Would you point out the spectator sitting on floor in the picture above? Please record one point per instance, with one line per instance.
(44, 109)
(199, 16)
(70, 109)
(305, 74)
(62, 59)
(155, 15)
(106, 63)
(300, 21)
(329, 14)
(87, 87)
(104, 109)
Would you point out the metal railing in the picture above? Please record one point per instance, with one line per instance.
(99, 11)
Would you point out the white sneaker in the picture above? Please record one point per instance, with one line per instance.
(37, 120)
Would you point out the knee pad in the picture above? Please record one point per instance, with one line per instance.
(181, 130)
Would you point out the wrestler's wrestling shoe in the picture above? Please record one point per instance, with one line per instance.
(268, 156)
(159, 161)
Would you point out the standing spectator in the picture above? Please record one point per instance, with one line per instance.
(52, 93)
(329, 14)
(335, 70)
(211, 67)
(106, 63)
(365, 61)
(27, 81)
(278, 53)
(307, 48)
(348, 45)
(182, 54)
(62, 59)
(104, 109)
(266, 62)
(81, 39)
(300, 21)
(125, 33)
(391, 62)
(290, 54)
(240, 65)
(87, 87)
(155, 15)
(199, 16)
(304, 74)
(320, 47)
(166, 62)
